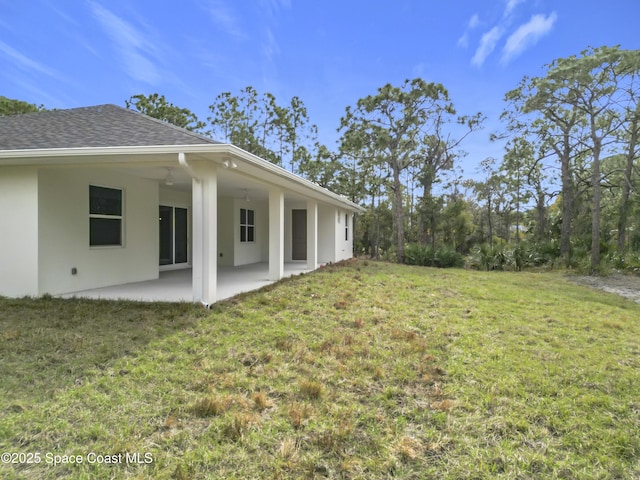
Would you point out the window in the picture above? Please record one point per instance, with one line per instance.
(247, 225)
(105, 216)
(346, 227)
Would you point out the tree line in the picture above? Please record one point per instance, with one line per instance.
(564, 191)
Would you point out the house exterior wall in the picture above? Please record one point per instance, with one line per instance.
(18, 231)
(63, 231)
(326, 234)
(263, 233)
(234, 252)
(226, 232)
(174, 198)
(344, 245)
(251, 252)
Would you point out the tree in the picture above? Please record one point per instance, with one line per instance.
(456, 224)
(258, 124)
(590, 83)
(587, 90)
(629, 134)
(491, 193)
(299, 131)
(324, 169)
(232, 120)
(363, 178)
(543, 115)
(9, 106)
(523, 179)
(156, 106)
(390, 128)
(437, 155)
(537, 182)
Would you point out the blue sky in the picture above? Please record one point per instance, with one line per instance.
(330, 53)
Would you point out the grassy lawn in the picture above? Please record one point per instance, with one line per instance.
(366, 370)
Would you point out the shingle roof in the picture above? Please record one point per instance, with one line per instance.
(99, 126)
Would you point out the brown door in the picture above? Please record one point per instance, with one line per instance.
(299, 235)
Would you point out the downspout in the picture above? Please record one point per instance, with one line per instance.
(182, 160)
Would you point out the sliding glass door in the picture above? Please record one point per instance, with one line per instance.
(173, 235)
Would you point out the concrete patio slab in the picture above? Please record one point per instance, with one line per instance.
(176, 285)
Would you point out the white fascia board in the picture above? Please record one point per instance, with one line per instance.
(149, 154)
(64, 156)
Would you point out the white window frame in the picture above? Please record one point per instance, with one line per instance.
(346, 227)
(246, 226)
(110, 217)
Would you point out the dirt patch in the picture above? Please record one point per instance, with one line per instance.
(627, 286)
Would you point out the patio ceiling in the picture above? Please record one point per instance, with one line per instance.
(230, 183)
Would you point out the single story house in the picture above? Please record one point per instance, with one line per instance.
(100, 196)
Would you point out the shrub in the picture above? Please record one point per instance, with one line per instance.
(416, 254)
(481, 258)
(425, 256)
(501, 258)
(629, 261)
(448, 258)
(519, 257)
(541, 253)
(513, 257)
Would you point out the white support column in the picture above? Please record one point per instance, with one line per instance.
(276, 234)
(205, 234)
(197, 244)
(312, 234)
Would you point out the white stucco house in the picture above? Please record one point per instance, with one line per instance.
(99, 196)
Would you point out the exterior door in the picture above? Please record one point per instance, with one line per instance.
(173, 235)
(299, 235)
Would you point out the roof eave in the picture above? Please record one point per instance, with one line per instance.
(102, 155)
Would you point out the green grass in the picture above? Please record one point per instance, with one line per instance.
(364, 370)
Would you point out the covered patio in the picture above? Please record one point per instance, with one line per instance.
(176, 285)
(116, 215)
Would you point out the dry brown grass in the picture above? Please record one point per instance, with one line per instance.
(298, 414)
(211, 405)
(261, 400)
(311, 389)
(408, 448)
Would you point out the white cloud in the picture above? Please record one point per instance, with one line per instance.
(133, 45)
(474, 21)
(511, 5)
(24, 72)
(527, 35)
(487, 45)
(223, 17)
(419, 70)
(34, 88)
(272, 7)
(24, 62)
(270, 46)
